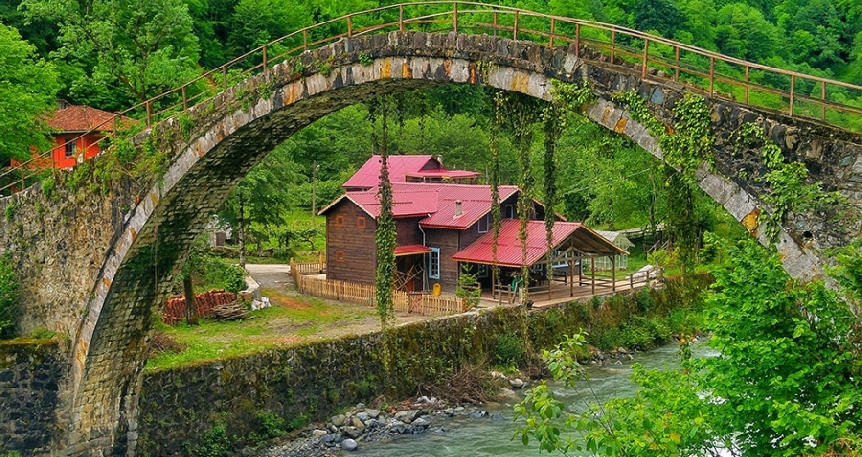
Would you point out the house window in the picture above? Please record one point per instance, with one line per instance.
(483, 271)
(434, 263)
(509, 212)
(339, 221)
(339, 256)
(70, 148)
(484, 222)
(360, 222)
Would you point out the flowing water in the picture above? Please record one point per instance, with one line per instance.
(466, 436)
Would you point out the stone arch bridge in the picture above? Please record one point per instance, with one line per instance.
(101, 258)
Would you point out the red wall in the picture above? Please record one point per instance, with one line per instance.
(86, 145)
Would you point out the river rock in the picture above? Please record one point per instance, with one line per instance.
(477, 414)
(498, 417)
(420, 422)
(363, 416)
(372, 413)
(507, 393)
(318, 432)
(356, 422)
(398, 426)
(370, 423)
(330, 439)
(349, 445)
(360, 406)
(337, 420)
(516, 383)
(352, 432)
(406, 416)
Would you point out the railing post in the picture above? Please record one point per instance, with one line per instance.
(578, 39)
(185, 99)
(401, 18)
(149, 114)
(645, 58)
(515, 28)
(676, 73)
(224, 76)
(551, 35)
(455, 17)
(746, 84)
(495, 23)
(614, 45)
(792, 92)
(349, 26)
(265, 63)
(305, 39)
(711, 75)
(823, 98)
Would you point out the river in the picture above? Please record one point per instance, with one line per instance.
(466, 436)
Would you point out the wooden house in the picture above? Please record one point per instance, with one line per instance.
(433, 222)
(78, 130)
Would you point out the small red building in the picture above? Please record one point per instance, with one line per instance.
(77, 132)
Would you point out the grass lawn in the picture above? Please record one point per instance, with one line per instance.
(290, 320)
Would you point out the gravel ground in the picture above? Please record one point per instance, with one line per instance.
(270, 276)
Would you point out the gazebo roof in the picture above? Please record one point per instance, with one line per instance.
(509, 252)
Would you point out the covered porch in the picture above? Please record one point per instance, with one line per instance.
(572, 246)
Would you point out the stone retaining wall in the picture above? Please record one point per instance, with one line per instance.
(179, 407)
(30, 377)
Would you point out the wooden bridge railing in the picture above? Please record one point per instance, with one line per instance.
(713, 73)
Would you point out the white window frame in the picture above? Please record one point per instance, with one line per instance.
(71, 148)
(486, 219)
(509, 212)
(434, 263)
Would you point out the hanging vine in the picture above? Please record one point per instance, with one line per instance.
(385, 236)
(567, 98)
(499, 99)
(685, 147)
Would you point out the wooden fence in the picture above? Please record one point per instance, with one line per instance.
(419, 303)
(308, 268)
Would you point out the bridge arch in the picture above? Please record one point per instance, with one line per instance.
(238, 128)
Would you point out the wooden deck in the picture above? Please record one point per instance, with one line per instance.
(562, 292)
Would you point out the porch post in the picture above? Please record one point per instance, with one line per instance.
(593, 274)
(613, 273)
(549, 276)
(571, 276)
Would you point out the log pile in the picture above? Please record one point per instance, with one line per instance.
(230, 311)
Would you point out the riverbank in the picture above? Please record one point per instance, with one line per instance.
(240, 401)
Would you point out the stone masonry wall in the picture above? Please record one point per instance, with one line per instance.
(30, 376)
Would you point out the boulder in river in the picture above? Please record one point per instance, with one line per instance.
(349, 445)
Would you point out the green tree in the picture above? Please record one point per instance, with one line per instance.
(8, 298)
(29, 88)
(785, 381)
(145, 46)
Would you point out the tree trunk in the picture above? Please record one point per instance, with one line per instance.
(241, 233)
(189, 293)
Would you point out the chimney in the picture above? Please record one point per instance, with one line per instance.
(458, 209)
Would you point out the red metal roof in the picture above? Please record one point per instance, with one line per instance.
(80, 119)
(411, 249)
(509, 251)
(454, 174)
(436, 201)
(369, 174)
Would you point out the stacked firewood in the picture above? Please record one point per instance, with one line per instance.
(230, 311)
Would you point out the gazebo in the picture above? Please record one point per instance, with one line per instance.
(571, 244)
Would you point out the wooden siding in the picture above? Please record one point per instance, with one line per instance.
(408, 232)
(351, 253)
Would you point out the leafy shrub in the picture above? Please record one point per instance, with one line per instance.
(270, 425)
(224, 275)
(508, 350)
(8, 298)
(216, 443)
